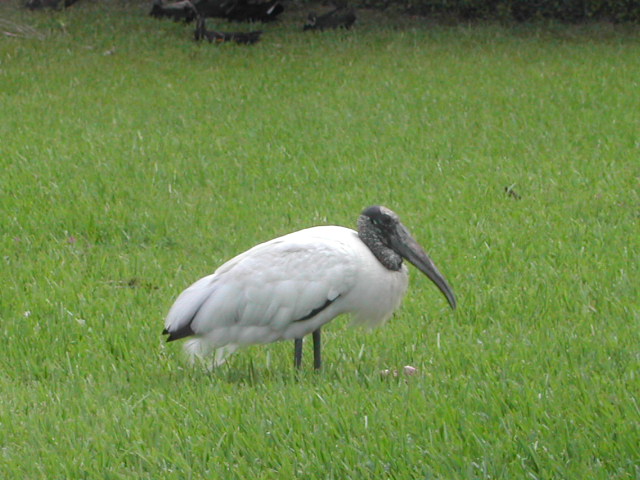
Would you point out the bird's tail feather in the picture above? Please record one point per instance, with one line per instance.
(223, 353)
(199, 348)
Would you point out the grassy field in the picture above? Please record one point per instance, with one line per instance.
(134, 162)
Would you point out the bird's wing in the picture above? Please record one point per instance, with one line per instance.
(271, 285)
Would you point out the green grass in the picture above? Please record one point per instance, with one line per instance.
(135, 161)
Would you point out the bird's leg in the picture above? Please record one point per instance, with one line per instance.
(297, 353)
(317, 357)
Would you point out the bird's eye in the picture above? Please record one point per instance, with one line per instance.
(381, 221)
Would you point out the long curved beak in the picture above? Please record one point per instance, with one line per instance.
(406, 245)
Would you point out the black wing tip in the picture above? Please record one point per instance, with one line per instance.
(316, 311)
(178, 334)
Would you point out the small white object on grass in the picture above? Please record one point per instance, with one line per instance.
(407, 371)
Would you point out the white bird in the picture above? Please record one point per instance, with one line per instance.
(291, 286)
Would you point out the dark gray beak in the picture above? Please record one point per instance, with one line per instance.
(405, 245)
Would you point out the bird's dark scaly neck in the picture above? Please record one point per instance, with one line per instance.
(373, 238)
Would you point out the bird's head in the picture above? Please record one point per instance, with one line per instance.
(390, 241)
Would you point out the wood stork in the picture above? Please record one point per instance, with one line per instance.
(291, 286)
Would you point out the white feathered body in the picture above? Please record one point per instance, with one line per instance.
(272, 291)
